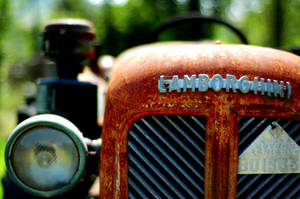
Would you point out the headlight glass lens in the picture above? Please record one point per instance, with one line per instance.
(45, 158)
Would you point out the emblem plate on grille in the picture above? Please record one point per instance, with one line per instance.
(272, 152)
(202, 83)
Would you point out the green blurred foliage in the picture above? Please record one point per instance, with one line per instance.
(2, 164)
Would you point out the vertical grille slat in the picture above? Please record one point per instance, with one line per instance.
(170, 160)
(145, 185)
(295, 192)
(138, 192)
(148, 175)
(166, 157)
(265, 189)
(248, 184)
(246, 135)
(181, 131)
(286, 125)
(169, 145)
(280, 191)
(266, 185)
(153, 167)
(241, 179)
(293, 131)
(246, 124)
(199, 124)
(180, 143)
(185, 123)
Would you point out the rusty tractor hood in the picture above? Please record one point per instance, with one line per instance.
(134, 92)
(138, 69)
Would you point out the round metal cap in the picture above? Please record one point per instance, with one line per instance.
(64, 26)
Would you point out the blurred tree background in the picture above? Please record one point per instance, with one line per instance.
(121, 24)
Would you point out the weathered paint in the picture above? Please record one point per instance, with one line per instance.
(133, 94)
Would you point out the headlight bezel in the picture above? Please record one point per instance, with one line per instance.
(47, 121)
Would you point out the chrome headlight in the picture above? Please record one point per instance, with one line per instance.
(45, 155)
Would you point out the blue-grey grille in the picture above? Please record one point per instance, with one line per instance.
(166, 157)
(267, 185)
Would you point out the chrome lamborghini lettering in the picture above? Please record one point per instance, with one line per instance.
(202, 83)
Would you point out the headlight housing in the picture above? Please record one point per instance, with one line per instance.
(45, 155)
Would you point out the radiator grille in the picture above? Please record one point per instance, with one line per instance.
(267, 185)
(166, 157)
